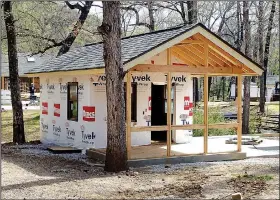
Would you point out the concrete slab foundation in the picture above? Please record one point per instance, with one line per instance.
(95, 154)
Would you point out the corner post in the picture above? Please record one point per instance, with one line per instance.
(205, 114)
(128, 115)
(206, 128)
(239, 112)
(168, 105)
(168, 114)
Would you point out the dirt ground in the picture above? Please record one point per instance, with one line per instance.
(32, 172)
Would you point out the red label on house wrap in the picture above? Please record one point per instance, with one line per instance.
(191, 109)
(150, 103)
(44, 108)
(89, 113)
(186, 103)
(56, 110)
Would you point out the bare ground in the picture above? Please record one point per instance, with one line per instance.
(35, 173)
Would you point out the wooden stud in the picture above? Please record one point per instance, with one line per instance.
(239, 112)
(169, 114)
(187, 127)
(128, 115)
(223, 125)
(205, 113)
(148, 128)
(169, 104)
(174, 107)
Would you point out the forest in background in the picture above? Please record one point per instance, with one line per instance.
(41, 26)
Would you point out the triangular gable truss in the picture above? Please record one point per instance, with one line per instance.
(198, 48)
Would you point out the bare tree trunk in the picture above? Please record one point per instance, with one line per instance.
(247, 79)
(116, 152)
(224, 85)
(260, 39)
(267, 44)
(192, 12)
(151, 16)
(255, 54)
(67, 43)
(18, 125)
(183, 13)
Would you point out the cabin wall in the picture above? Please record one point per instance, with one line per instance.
(56, 129)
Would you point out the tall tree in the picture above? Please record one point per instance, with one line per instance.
(116, 152)
(261, 56)
(18, 125)
(247, 79)
(265, 58)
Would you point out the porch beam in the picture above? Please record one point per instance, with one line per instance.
(128, 115)
(187, 69)
(239, 112)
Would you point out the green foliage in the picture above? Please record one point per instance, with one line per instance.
(215, 116)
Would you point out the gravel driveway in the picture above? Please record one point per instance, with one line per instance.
(31, 172)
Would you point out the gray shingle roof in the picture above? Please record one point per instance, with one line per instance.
(91, 56)
(23, 65)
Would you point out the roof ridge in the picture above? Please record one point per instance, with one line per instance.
(149, 33)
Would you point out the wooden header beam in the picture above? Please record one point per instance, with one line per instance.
(187, 69)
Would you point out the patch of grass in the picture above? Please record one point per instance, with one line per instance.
(252, 177)
(31, 125)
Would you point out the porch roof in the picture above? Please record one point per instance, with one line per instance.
(186, 42)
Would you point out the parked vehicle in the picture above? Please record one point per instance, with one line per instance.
(276, 92)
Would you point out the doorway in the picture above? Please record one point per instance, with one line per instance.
(158, 115)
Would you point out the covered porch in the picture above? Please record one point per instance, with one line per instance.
(201, 55)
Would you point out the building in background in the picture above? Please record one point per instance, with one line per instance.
(25, 63)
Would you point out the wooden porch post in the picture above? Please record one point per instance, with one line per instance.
(128, 115)
(168, 114)
(239, 112)
(205, 113)
(206, 47)
(168, 105)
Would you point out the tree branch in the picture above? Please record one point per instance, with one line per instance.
(74, 6)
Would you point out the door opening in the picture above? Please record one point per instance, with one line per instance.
(158, 115)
